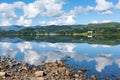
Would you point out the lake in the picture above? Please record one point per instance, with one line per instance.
(101, 57)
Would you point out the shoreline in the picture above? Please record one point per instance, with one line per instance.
(10, 69)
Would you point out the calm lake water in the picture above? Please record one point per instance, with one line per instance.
(100, 59)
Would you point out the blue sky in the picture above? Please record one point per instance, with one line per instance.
(58, 12)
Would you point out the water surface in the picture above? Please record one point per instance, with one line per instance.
(101, 59)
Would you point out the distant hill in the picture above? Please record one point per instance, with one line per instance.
(11, 28)
(53, 28)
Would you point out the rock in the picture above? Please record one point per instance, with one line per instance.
(40, 78)
(118, 79)
(83, 70)
(106, 78)
(39, 74)
(2, 74)
(2, 67)
(79, 71)
(76, 75)
(93, 77)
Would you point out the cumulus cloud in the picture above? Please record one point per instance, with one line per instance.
(89, 8)
(77, 10)
(7, 11)
(46, 8)
(103, 5)
(30, 11)
(118, 5)
(63, 20)
(107, 12)
(24, 22)
(5, 23)
(19, 5)
(49, 8)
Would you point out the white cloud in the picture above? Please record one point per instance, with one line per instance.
(106, 21)
(118, 5)
(63, 20)
(77, 10)
(7, 11)
(19, 5)
(89, 8)
(103, 5)
(45, 8)
(5, 23)
(107, 12)
(24, 22)
(49, 8)
(31, 11)
(94, 22)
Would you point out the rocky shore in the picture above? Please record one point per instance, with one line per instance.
(11, 69)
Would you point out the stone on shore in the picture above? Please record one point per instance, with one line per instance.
(2, 74)
(39, 74)
(93, 77)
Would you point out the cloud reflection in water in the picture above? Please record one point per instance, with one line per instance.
(33, 54)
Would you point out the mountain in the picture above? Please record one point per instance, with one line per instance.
(12, 28)
(52, 28)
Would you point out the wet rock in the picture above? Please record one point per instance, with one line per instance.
(107, 78)
(39, 74)
(83, 70)
(76, 75)
(118, 79)
(93, 77)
